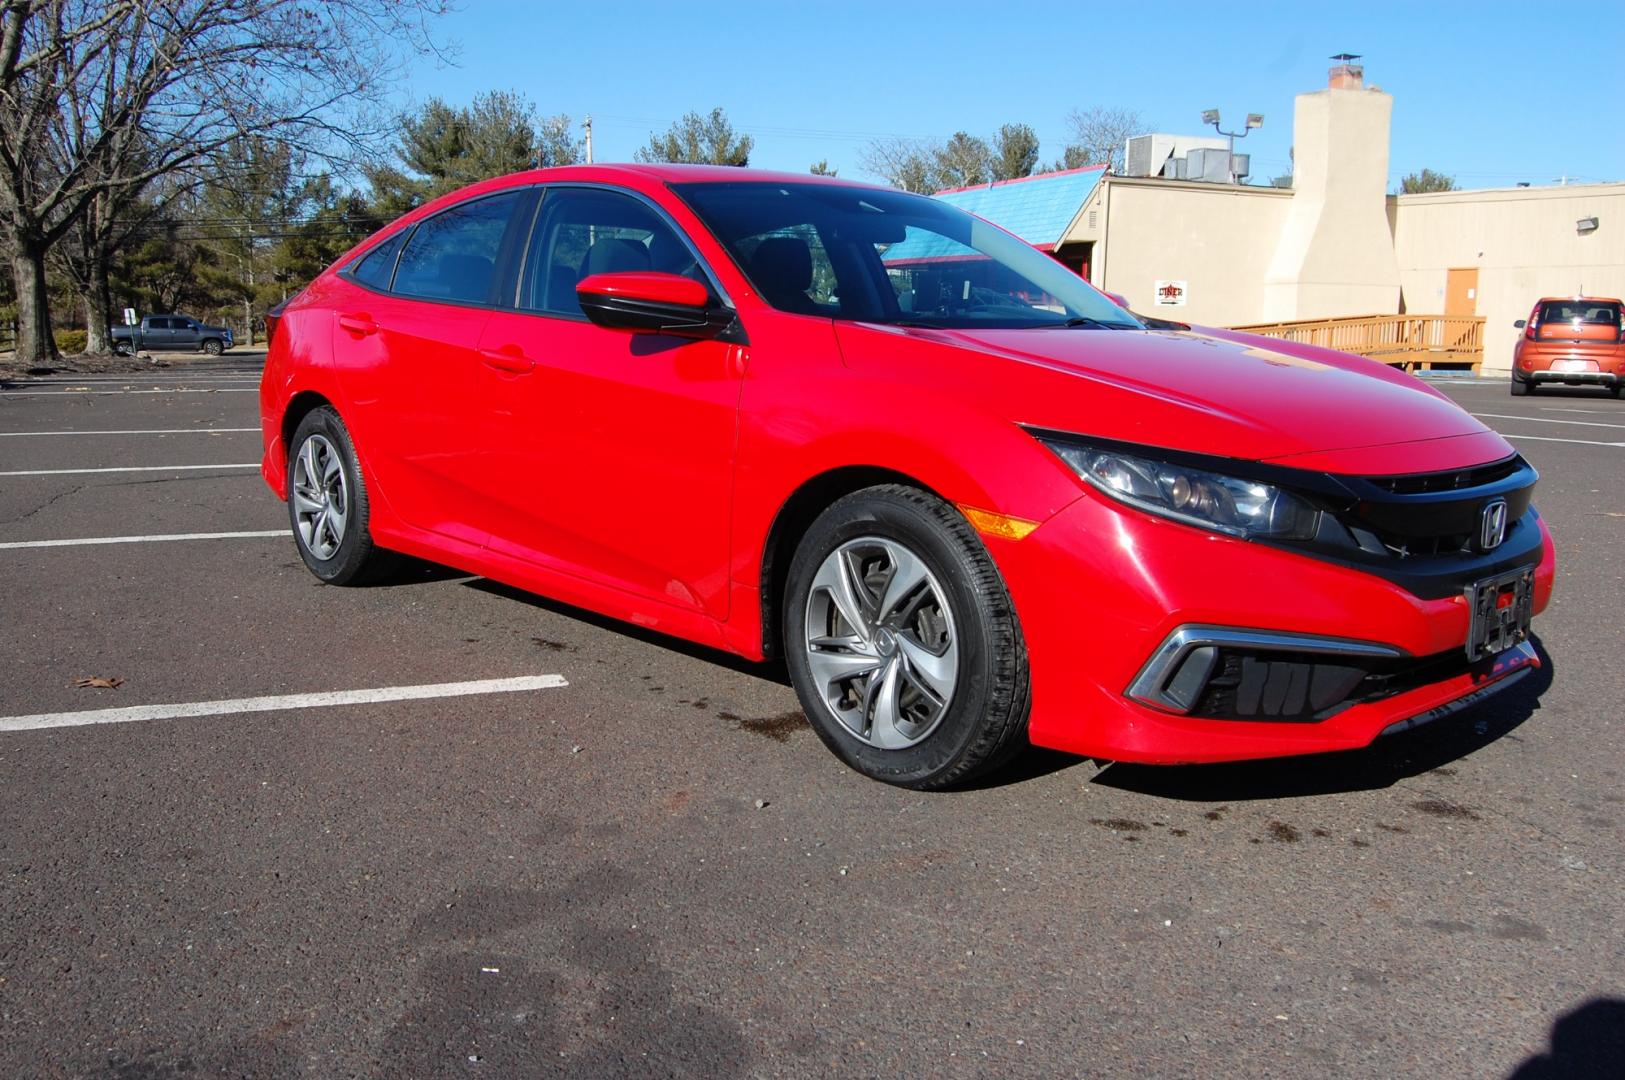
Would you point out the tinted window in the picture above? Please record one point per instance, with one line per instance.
(453, 255)
(158, 324)
(378, 265)
(885, 256)
(586, 231)
(1582, 311)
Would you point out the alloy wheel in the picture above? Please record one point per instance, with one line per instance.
(320, 497)
(880, 642)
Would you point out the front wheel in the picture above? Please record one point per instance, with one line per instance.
(213, 347)
(902, 642)
(327, 500)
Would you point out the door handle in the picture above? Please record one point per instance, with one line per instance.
(359, 325)
(509, 359)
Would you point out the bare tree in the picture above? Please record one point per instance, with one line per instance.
(100, 97)
(1098, 134)
(909, 164)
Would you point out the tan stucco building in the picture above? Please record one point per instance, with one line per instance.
(1336, 244)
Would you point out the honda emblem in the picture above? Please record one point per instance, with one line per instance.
(1492, 525)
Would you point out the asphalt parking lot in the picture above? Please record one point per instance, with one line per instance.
(630, 856)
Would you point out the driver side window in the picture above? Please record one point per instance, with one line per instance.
(586, 231)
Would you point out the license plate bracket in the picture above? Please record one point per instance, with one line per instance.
(1501, 607)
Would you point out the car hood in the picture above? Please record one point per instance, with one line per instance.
(1215, 392)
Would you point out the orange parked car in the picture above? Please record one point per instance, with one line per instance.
(1575, 340)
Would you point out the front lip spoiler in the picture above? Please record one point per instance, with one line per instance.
(1525, 656)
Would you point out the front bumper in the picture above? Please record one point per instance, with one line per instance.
(1100, 589)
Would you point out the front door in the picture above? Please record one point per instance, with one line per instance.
(616, 459)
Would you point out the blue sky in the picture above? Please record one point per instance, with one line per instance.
(1480, 90)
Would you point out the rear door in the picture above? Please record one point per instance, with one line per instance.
(408, 353)
(158, 333)
(616, 450)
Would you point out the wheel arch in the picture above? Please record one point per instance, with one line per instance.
(795, 517)
(300, 406)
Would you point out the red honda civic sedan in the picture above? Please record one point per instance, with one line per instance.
(969, 500)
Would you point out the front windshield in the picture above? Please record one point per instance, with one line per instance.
(887, 257)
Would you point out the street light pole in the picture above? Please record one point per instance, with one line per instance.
(1254, 120)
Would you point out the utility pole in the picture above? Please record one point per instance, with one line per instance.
(587, 123)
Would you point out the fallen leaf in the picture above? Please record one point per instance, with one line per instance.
(98, 683)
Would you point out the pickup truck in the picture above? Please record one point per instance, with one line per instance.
(168, 333)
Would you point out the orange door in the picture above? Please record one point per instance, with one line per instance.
(1461, 291)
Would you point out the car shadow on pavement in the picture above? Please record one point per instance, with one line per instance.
(1387, 761)
(772, 671)
(1587, 1043)
(401, 569)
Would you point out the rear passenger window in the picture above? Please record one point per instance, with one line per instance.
(379, 264)
(453, 255)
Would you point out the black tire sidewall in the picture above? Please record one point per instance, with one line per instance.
(951, 562)
(351, 558)
(213, 347)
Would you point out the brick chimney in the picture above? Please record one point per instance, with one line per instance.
(1347, 74)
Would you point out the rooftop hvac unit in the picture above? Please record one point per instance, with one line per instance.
(1139, 157)
(1149, 155)
(1210, 166)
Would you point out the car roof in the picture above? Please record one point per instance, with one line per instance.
(684, 174)
(1585, 299)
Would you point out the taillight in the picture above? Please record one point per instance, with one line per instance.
(1533, 325)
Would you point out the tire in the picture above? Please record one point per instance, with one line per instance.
(321, 448)
(213, 347)
(923, 689)
(123, 348)
(1617, 389)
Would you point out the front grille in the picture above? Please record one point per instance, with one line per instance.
(1431, 515)
(1428, 483)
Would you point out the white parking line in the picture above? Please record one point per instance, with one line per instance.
(144, 431)
(127, 468)
(155, 539)
(1544, 420)
(1548, 438)
(279, 702)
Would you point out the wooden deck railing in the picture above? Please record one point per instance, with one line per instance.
(1410, 341)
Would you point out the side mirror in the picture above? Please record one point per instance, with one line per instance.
(1117, 298)
(651, 302)
(1520, 324)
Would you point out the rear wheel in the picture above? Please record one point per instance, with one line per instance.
(123, 348)
(1520, 388)
(902, 642)
(1617, 389)
(327, 500)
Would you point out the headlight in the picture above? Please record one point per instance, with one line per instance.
(1226, 504)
